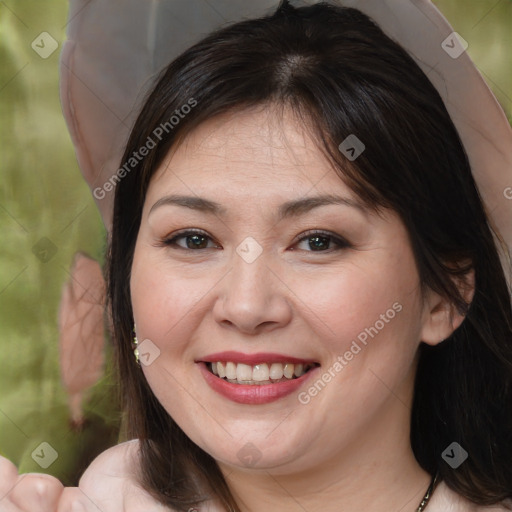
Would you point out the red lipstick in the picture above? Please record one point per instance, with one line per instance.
(249, 393)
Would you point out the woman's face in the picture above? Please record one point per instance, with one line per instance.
(255, 287)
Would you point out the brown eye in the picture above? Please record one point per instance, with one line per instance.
(320, 241)
(193, 240)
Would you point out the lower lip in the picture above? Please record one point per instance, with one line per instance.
(253, 394)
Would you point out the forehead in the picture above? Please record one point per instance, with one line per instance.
(253, 149)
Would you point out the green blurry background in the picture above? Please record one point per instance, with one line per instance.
(42, 195)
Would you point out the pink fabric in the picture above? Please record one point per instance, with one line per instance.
(81, 329)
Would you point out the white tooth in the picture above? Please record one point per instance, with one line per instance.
(276, 371)
(214, 368)
(231, 371)
(288, 370)
(243, 372)
(299, 370)
(260, 372)
(221, 368)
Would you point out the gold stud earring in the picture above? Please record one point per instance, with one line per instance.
(136, 349)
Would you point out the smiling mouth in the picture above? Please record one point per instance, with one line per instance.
(258, 374)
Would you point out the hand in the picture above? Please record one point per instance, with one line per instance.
(29, 492)
(107, 486)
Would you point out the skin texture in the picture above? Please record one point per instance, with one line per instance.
(20, 493)
(290, 300)
(106, 486)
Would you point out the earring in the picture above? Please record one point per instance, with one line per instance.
(136, 349)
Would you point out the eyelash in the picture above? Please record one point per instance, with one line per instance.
(339, 241)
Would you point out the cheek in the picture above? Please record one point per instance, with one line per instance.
(157, 298)
(368, 322)
(368, 303)
(167, 307)
(165, 302)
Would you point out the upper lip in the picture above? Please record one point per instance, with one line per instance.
(253, 359)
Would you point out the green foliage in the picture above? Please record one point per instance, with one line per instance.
(42, 195)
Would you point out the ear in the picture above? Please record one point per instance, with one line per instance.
(440, 316)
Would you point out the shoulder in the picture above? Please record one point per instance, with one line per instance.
(113, 465)
(446, 500)
(110, 484)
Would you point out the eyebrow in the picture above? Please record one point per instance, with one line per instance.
(292, 208)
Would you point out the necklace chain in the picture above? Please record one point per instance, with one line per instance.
(431, 488)
(428, 494)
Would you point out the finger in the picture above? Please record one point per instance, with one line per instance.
(8, 479)
(35, 491)
(8, 476)
(7, 506)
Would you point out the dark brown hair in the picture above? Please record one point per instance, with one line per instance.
(339, 73)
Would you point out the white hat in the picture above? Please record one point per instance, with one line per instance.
(115, 47)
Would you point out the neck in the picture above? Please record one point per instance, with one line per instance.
(376, 472)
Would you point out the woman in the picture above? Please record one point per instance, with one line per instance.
(321, 318)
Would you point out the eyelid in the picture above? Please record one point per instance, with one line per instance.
(341, 242)
(170, 240)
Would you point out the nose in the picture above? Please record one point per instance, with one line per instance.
(253, 298)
